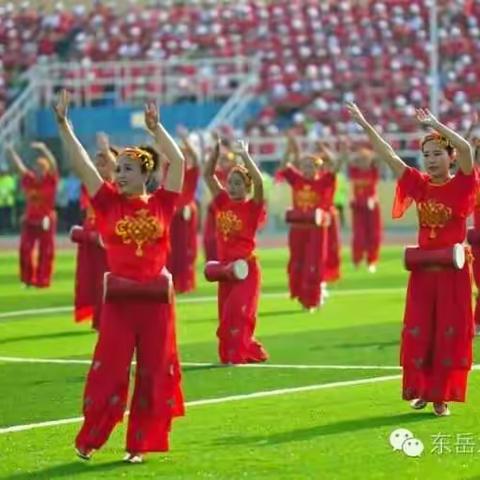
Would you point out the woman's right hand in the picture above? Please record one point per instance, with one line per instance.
(61, 106)
(356, 113)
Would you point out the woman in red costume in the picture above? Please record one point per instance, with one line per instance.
(366, 220)
(237, 220)
(135, 231)
(91, 256)
(225, 163)
(183, 231)
(40, 220)
(436, 349)
(311, 189)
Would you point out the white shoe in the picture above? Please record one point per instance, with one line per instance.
(418, 404)
(372, 268)
(325, 292)
(441, 410)
(84, 454)
(133, 458)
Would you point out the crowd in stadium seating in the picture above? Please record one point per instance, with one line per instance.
(314, 55)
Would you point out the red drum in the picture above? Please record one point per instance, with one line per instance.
(221, 272)
(418, 258)
(81, 235)
(117, 288)
(473, 236)
(314, 217)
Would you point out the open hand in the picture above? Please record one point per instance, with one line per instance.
(151, 115)
(61, 106)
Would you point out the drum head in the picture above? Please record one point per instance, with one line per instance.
(458, 256)
(240, 269)
(318, 216)
(187, 213)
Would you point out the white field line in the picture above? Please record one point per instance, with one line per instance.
(212, 401)
(207, 299)
(73, 361)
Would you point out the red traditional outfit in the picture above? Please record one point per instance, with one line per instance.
(90, 269)
(436, 350)
(332, 261)
(38, 225)
(135, 232)
(366, 219)
(476, 248)
(308, 243)
(209, 231)
(183, 235)
(236, 224)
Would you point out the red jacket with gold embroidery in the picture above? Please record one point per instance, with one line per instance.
(364, 184)
(135, 231)
(309, 194)
(40, 195)
(442, 208)
(236, 225)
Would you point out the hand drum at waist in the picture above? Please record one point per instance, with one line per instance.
(297, 217)
(473, 236)
(226, 271)
(79, 234)
(421, 259)
(117, 288)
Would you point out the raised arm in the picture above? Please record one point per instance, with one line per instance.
(462, 146)
(103, 145)
(16, 161)
(335, 160)
(472, 127)
(241, 149)
(292, 152)
(189, 149)
(81, 163)
(384, 150)
(173, 181)
(47, 153)
(209, 176)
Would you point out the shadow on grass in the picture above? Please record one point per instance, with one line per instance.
(338, 428)
(72, 469)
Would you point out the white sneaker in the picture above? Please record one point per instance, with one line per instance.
(133, 458)
(325, 292)
(84, 454)
(372, 268)
(441, 410)
(418, 404)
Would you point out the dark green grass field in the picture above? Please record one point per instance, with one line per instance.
(321, 421)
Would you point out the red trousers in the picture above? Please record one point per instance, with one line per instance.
(476, 276)
(209, 236)
(39, 272)
(237, 312)
(148, 328)
(437, 337)
(90, 269)
(306, 266)
(183, 252)
(332, 264)
(366, 233)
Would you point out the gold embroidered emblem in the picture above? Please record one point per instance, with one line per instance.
(141, 229)
(306, 198)
(35, 196)
(433, 215)
(228, 223)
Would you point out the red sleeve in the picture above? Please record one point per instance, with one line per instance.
(221, 199)
(409, 187)
(289, 174)
(26, 180)
(467, 186)
(104, 198)
(167, 200)
(258, 212)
